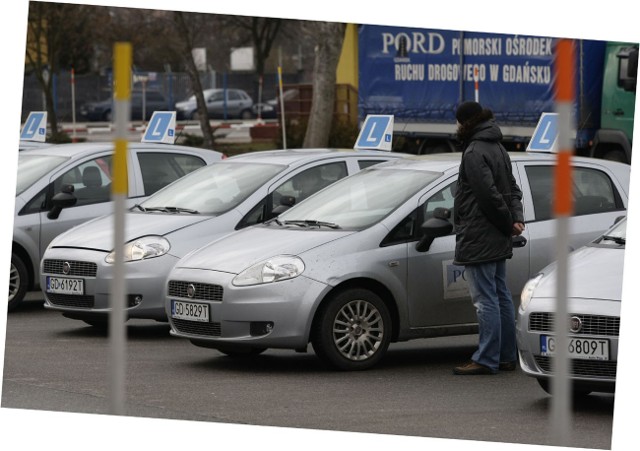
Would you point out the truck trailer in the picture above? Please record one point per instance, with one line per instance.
(420, 76)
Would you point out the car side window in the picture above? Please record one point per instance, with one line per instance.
(308, 182)
(91, 181)
(160, 169)
(408, 228)
(443, 198)
(233, 95)
(364, 164)
(593, 191)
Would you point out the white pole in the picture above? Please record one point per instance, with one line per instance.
(561, 418)
(119, 191)
(282, 121)
(73, 106)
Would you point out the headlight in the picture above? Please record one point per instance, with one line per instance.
(278, 268)
(142, 248)
(527, 291)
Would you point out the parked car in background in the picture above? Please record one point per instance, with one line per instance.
(212, 202)
(61, 186)
(149, 102)
(594, 295)
(238, 105)
(269, 109)
(350, 269)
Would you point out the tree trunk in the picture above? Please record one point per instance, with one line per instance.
(330, 37)
(192, 70)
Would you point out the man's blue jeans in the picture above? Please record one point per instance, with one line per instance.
(496, 314)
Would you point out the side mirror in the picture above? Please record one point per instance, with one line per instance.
(434, 227)
(286, 202)
(63, 199)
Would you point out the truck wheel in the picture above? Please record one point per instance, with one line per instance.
(18, 281)
(615, 155)
(352, 331)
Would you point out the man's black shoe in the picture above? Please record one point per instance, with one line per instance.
(472, 369)
(507, 366)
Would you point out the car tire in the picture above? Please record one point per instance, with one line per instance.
(352, 331)
(246, 114)
(577, 391)
(18, 282)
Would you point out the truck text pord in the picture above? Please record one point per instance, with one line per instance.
(420, 76)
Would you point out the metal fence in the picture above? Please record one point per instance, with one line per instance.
(174, 86)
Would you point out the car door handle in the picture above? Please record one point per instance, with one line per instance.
(519, 241)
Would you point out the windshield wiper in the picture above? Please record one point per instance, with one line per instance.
(181, 210)
(313, 223)
(615, 239)
(139, 207)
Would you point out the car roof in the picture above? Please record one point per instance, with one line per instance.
(444, 162)
(299, 156)
(74, 149)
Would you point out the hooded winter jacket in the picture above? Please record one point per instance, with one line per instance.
(488, 200)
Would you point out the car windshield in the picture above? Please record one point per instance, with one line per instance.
(616, 235)
(32, 168)
(359, 201)
(212, 189)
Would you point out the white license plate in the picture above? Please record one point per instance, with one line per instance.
(61, 285)
(578, 348)
(190, 311)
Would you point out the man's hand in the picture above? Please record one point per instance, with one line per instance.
(518, 228)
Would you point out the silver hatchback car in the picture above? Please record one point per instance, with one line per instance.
(595, 292)
(61, 186)
(351, 269)
(240, 191)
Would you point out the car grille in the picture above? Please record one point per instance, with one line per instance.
(203, 291)
(585, 368)
(591, 324)
(67, 300)
(82, 269)
(197, 327)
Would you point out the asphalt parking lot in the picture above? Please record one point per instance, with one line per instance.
(59, 365)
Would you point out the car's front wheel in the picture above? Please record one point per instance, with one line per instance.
(352, 331)
(18, 281)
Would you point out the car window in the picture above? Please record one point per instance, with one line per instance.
(309, 181)
(91, 181)
(36, 204)
(216, 96)
(233, 95)
(406, 229)
(154, 97)
(441, 199)
(364, 164)
(160, 169)
(32, 168)
(593, 191)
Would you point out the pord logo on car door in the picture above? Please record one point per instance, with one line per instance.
(454, 281)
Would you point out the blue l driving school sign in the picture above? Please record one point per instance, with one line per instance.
(376, 133)
(35, 127)
(545, 136)
(161, 128)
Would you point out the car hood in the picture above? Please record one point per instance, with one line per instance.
(594, 273)
(98, 233)
(236, 252)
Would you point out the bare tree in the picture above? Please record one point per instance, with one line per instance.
(329, 38)
(51, 27)
(186, 39)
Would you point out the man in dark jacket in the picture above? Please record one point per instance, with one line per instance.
(487, 213)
